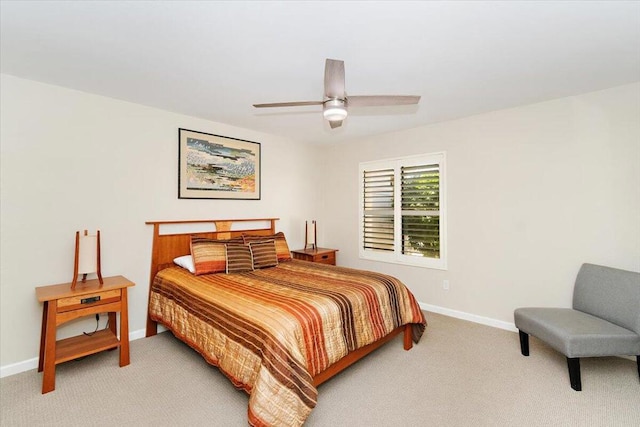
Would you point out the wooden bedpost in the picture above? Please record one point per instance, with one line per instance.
(152, 326)
(408, 342)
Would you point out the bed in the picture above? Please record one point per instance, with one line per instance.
(276, 332)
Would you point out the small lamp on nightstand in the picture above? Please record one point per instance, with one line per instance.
(310, 235)
(87, 258)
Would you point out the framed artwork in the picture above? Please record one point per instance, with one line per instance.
(217, 167)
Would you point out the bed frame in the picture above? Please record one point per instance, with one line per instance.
(168, 246)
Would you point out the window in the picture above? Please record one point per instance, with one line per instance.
(402, 210)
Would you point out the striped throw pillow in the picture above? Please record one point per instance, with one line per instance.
(209, 256)
(263, 254)
(238, 258)
(282, 248)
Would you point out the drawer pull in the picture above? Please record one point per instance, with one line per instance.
(90, 300)
(325, 256)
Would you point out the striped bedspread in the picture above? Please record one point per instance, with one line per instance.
(272, 330)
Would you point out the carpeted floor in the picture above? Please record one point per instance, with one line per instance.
(460, 374)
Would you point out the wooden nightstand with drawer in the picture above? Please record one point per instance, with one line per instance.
(62, 304)
(321, 255)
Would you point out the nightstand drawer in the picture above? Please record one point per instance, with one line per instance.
(88, 300)
(319, 255)
(328, 258)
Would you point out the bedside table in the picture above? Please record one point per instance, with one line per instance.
(321, 255)
(61, 304)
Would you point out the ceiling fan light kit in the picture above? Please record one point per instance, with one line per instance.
(334, 105)
(335, 110)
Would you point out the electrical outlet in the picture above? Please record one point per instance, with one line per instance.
(445, 285)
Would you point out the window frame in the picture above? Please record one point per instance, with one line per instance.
(396, 256)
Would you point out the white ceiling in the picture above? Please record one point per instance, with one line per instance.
(215, 59)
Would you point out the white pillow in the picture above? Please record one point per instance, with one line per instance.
(186, 261)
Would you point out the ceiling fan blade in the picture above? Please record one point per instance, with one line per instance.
(335, 124)
(334, 79)
(288, 104)
(381, 100)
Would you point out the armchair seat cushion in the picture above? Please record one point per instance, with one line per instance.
(575, 333)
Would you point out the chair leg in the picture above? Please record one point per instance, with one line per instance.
(524, 343)
(574, 373)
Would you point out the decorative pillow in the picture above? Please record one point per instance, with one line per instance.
(238, 258)
(282, 248)
(263, 254)
(209, 256)
(185, 261)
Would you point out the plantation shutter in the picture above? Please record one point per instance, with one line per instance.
(378, 223)
(420, 193)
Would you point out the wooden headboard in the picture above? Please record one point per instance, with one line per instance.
(168, 246)
(172, 244)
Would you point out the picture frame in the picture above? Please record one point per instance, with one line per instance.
(217, 167)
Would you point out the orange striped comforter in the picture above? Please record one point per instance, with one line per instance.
(271, 330)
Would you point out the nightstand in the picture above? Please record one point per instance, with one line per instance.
(61, 304)
(321, 255)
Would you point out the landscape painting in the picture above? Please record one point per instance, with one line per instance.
(217, 167)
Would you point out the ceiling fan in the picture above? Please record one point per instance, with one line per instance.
(336, 102)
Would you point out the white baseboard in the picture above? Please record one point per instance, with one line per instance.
(16, 368)
(136, 335)
(26, 365)
(470, 317)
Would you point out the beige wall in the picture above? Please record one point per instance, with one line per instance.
(72, 161)
(533, 192)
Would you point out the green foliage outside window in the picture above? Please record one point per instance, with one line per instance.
(420, 211)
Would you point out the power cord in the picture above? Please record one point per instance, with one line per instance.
(97, 326)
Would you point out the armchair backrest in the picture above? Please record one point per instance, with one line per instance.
(610, 294)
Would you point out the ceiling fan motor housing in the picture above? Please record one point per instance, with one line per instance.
(335, 110)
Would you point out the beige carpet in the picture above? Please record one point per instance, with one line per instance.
(460, 374)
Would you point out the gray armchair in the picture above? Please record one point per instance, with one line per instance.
(604, 320)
